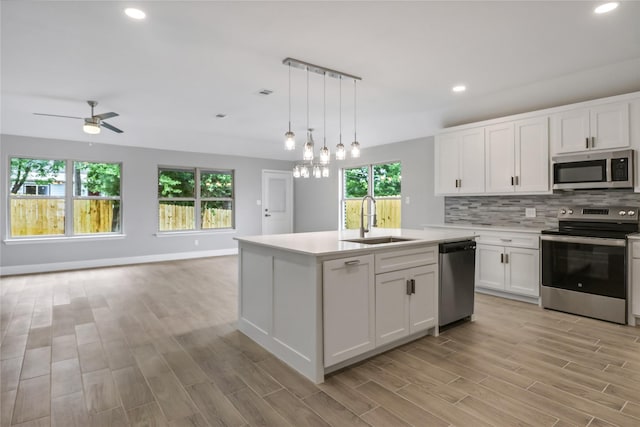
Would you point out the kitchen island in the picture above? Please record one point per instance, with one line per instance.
(324, 300)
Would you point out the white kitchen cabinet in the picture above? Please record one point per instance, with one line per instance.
(517, 156)
(459, 162)
(508, 262)
(406, 302)
(600, 127)
(634, 281)
(348, 307)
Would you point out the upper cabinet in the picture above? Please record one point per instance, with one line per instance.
(517, 156)
(601, 127)
(459, 162)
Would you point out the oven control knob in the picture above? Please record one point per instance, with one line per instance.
(563, 211)
(631, 213)
(570, 211)
(622, 213)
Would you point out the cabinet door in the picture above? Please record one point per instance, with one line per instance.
(348, 308)
(392, 307)
(610, 126)
(489, 267)
(570, 131)
(472, 166)
(447, 158)
(635, 286)
(423, 304)
(522, 271)
(499, 158)
(532, 155)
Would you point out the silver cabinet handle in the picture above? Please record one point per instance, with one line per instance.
(506, 240)
(506, 258)
(413, 286)
(517, 180)
(353, 262)
(512, 181)
(408, 286)
(460, 183)
(587, 142)
(502, 258)
(593, 142)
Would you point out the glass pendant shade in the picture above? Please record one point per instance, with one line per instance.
(325, 155)
(304, 172)
(296, 171)
(355, 149)
(325, 171)
(308, 151)
(290, 141)
(340, 152)
(317, 173)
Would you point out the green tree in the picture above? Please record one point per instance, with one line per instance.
(176, 183)
(43, 172)
(387, 180)
(356, 182)
(102, 179)
(216, 184)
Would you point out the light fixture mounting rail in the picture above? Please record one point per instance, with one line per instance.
(296, 63)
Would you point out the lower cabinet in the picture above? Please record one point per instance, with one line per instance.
(508, 269)
(406, 302)
(633, 303)
(348, 307)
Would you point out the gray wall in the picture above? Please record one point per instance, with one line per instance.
(139, 201)
(317, 203)
(508, 211)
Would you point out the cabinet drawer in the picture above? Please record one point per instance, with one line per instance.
(405, 258)
(531, 241)
(635, 248)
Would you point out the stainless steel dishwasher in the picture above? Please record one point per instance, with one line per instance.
(457, 277)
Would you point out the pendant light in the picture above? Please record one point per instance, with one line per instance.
(325, 156)
(310, 165)
(308, 146)
(340, 151)
(355, 145)
(289, 137)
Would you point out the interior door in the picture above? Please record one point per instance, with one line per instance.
(277, 202)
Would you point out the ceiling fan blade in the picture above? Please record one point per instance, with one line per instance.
(105, 116)
(57, 115)
(108, 126)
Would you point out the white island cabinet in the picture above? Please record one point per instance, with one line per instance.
(315, 300)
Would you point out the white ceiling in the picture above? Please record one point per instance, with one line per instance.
(168, 76)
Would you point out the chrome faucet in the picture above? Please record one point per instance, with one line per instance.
(370, 215)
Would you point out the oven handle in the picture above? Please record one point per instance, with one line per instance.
(585, 240)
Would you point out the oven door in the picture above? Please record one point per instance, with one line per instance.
(585, 264)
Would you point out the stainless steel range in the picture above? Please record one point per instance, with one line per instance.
(584, 262)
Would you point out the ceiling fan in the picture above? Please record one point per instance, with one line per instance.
(92, 124)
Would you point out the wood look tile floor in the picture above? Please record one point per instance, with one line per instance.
(155, 345)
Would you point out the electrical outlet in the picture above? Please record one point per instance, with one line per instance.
(530, 212)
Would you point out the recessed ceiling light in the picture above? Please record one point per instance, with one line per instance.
(606, 7)
(135, 13)
(459, 88)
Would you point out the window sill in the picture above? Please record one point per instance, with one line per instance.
(195, 232)
(61, 239)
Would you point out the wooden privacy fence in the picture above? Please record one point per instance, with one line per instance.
(175, 217)
(37, 217)
(387, 211)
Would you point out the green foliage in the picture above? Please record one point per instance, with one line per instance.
(176, 183)
(216, 185)
(43, 172)
(387, 180)
(356, 182)
(102, 179)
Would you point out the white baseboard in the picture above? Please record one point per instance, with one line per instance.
(109, 262)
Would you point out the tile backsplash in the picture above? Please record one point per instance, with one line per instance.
(509, 211)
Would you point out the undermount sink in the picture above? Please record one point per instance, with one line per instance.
(379, 240)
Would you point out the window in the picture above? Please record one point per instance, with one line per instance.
(195, 199)
(96, 197)
(382, 181)
(63, 198)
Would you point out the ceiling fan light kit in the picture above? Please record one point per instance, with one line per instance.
(91, 126)
(308, 167)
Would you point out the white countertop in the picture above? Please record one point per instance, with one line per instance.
(486, 228)
(332, 242)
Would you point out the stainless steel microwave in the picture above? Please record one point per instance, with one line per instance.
(607, 169)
